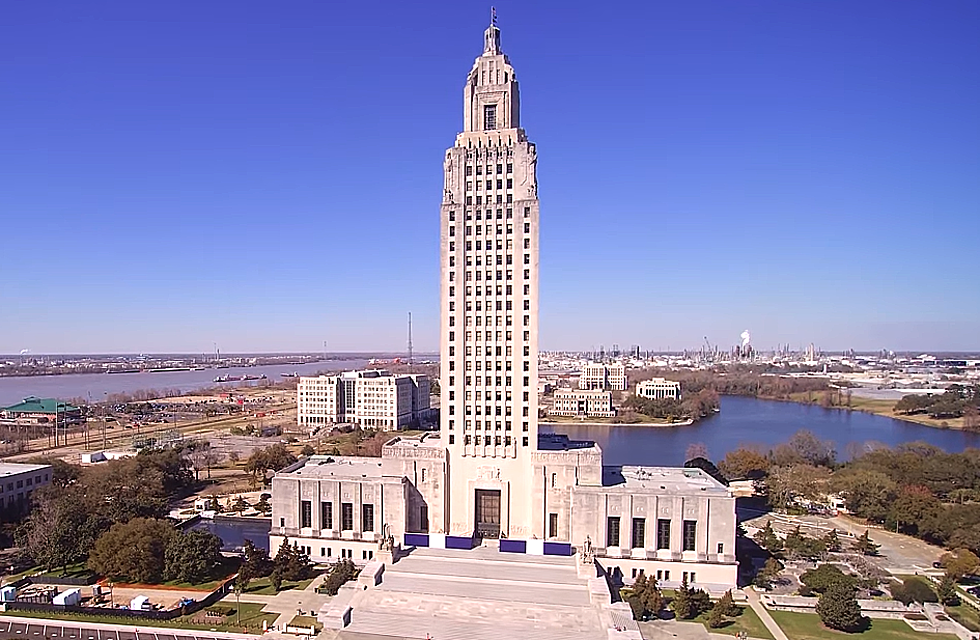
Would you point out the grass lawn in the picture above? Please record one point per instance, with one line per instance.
(305, 621)
(807, 626)
(77, 570)
(263, 587)
(227, 569)
(965, 615)
(251, 618)
(747, 621)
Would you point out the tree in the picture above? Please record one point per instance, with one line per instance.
(307, 450)
(133, 551)
(716, 619)
(946, 591)
(831, 541)
(291, 562)
(644, 598)
(192, 556)
(275, 457)
(913, 590)
(767, 539)
(275, 579)
(864, 545)
(744, 463)
(838, 609)
(769, 572)
(867, 493)
(256, 562)
(824, 576)
(53, 532)
(681, 604)
(915, 506)
(727, 605)
(340, 573)
(696, 450)
(786, 483)
(960, 563)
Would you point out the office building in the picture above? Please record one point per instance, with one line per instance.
(581, 403)
(659, 389)
(373, 398)
(599, 375)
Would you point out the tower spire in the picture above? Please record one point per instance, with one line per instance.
(491, 37)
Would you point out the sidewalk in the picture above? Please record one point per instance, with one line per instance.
(763, 614)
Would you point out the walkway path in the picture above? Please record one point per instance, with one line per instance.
(763, 614)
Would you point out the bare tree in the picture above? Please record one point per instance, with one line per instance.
(696, 450)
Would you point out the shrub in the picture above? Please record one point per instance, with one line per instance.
(340, 573)
(913, 590)
(821, 578)
(838, 608)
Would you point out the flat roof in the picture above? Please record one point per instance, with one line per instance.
(672, 480)
(343, 467)
(12, 468)
(429, 440)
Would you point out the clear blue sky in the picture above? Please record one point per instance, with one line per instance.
(267, 176)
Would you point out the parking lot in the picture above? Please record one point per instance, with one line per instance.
(43, 631)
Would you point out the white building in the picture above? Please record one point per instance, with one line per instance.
(369, 398)
(593, 403)
(598, 375)
(17, 482)
(489, 473)
(658, 389)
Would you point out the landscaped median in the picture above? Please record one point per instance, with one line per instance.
(807, 626)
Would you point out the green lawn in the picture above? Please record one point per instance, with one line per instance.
(263, 587)
(305, 621)
(251, 618)
(965, 615)
(77, 570)
(807, 626)
(747, 621)
(227, 569)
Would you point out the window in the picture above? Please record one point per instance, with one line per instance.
(721, 547)
(347, 516)
(663, 534)
(554, 480)
(424, 518)
(612, 531)
(690, 534)
(552, 525)
(326, 515)
(639, 533)
(306, 514)
(282, 521)
(367, 517)
(489, 117)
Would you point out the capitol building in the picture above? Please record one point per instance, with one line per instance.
(488, 482)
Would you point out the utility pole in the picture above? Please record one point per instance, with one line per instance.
(410, 357)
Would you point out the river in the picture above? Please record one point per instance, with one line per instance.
(94, 385)
(759, 422)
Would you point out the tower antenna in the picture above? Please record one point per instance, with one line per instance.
(493, 16)
(410, 360)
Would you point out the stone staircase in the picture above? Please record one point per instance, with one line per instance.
(479, 594)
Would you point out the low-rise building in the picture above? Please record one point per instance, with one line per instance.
(577, 402)
(35, 410)
(671, 523)
(659, 389)
(371, 398)
(599, 375)
(17, 483)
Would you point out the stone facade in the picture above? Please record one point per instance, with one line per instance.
(488, 473)
(659, 389)
(598, 375)
(577, 402)
(370, 398)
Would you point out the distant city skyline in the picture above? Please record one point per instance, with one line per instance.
(176, 178)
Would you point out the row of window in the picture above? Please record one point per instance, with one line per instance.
(500, 275)
(479, 168)
(507, 425)
(488, 229)
(488, 291)
(501, 365)
(488, 381)
(326, 516)
(489, 246)
(501, 321)
(638, 537)
(664, 575)
(500, 199)
(489, 214)
(486, 440)
(489, 184)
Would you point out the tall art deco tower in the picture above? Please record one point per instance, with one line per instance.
(489, 272)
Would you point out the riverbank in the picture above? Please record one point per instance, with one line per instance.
(883, 408)
(609, 422)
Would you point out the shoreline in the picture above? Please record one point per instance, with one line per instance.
(880, 408)
(585, 423)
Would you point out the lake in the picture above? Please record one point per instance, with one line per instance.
(234, 531)
(759, 422)
(94, 385)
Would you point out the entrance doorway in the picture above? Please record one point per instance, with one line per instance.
(488, 513)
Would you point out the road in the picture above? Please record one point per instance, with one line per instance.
(47, 630)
